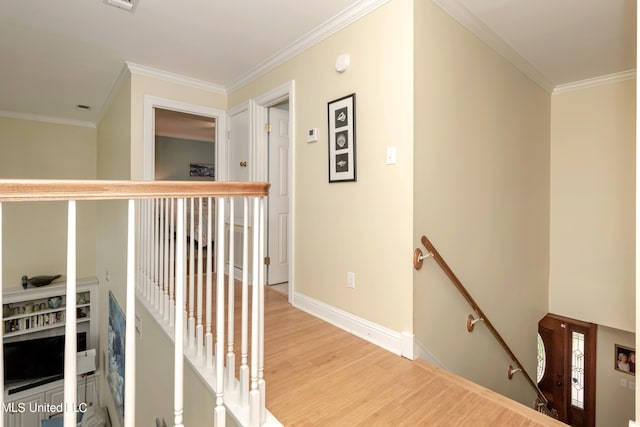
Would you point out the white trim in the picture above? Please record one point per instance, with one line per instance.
(325, 30)
(376, 334)
(258, 110)
(46, 119)
(408, 345)
(152, 102)
(143, 70)
(461, 14)
(595, 81)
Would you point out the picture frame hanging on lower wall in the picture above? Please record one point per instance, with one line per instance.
(624, 359)
(342, 139)
(115, 364)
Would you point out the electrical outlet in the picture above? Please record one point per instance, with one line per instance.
(351, 279)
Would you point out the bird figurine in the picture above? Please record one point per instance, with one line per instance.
(38, 281)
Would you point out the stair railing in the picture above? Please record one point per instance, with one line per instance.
(156, 261)
(418, 259)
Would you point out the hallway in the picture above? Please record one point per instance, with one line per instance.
(319, 375)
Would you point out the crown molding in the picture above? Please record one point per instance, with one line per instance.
(46, 119)
(460, 13)
(143, 70)
(328, 28)
(595, 81)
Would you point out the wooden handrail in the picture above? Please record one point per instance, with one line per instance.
(16, 190)
(467, 296)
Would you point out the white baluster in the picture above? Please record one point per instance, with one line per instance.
(244, 350)
(70, 342)
(161, 263)
(166, 243)
(190, 302)
(130, 325)
(179, 329)
(209, 293)
(219, 412)
(199, 326)
(231, 356)
(172, 260)
(254, 394)
(156, 268)
(260, 286)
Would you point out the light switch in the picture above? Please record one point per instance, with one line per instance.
(391, 155)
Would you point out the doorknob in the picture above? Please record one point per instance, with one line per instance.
(243, 164)
(558, 381)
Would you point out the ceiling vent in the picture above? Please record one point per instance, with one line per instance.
(122, 4)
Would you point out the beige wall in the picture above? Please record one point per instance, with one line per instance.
(144, 85)
(614, 398)
(363, 226)
(36, 241)
(592, 269)
(481, 195)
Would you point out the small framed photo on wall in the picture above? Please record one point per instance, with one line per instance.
(342, 139)
(625, 359)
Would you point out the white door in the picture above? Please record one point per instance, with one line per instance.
(279, 177)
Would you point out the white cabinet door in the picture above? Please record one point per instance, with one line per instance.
(26, 412)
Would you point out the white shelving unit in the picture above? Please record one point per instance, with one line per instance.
(37, 313)
(40, 312)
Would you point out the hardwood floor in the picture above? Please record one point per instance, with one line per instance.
(320, 375)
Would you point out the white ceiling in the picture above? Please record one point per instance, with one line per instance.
(58, 54)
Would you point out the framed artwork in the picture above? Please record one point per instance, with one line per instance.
(625, 359)
(201, 170)
(342, 139)
(115, 373)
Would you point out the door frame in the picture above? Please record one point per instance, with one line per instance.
(590, 331)
(259, 107)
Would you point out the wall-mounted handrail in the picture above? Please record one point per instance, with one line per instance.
(542, 400)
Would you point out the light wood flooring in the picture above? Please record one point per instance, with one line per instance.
(320, 375)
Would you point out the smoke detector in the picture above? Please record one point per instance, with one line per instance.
(122, 4)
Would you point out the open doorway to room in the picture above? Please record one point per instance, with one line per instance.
(184, 146)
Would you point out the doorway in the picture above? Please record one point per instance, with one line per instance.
(279, 194)
(273, 123)
(184, 146)
(567, 368)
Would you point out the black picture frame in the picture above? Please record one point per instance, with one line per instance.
(341, 114)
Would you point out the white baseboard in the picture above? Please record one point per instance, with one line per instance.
(395, 342)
